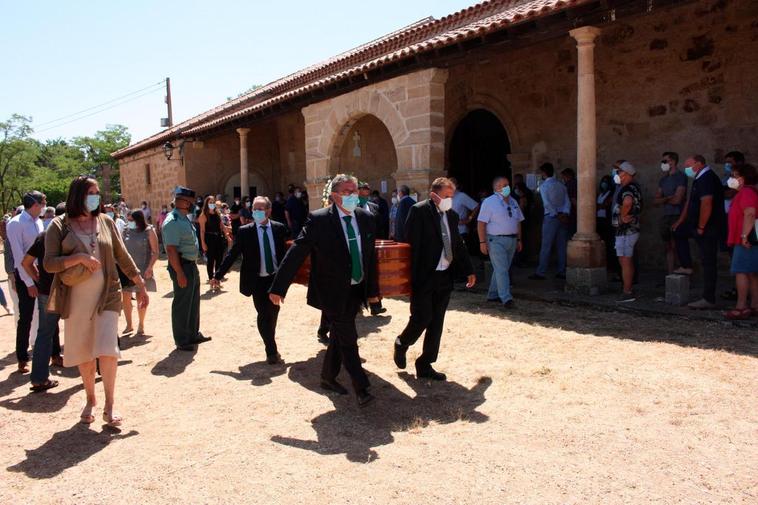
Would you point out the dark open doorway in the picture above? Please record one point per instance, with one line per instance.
(479, 151)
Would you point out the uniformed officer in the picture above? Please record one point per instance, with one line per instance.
(180, 240)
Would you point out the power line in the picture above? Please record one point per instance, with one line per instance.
(98, 111)
(161, 83)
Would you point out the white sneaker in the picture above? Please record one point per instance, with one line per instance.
(702, 304)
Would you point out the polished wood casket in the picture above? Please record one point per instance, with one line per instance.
(393, 265)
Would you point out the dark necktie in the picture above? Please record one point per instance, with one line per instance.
(355, 255)
(267, 251)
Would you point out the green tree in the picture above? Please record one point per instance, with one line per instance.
(18, 154)
(57, 164)
(98, 148)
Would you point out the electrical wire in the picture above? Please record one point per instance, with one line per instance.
(161, 83)
(98, 111)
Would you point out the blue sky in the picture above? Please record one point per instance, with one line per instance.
(63, 57)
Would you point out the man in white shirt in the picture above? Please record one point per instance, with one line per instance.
(22, 231)
(465, 207)
(499, 230)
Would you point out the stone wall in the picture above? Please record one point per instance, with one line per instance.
(164, 176)
(679, 79)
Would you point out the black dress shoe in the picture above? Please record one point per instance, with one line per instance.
(201, 338)
(364, 397)
(323, 338)
(376, 308)
(493, 300)
(537, 277)
(560, 276)
(333, 385)
(187, 347)
(274, 359)
(510, 304)
(430, 373)
(399, 356)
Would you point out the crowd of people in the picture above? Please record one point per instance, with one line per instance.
(102, 255)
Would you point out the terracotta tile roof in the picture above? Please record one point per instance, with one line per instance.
(425, 35)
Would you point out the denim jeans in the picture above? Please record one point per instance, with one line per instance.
(43, 345)
(553, 232)
(502, 249)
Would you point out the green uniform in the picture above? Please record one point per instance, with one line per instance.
(177, 231)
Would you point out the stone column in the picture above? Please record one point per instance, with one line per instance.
(586, 251)
(244, 169)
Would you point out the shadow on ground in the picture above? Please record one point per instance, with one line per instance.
(356, 435)
(66, 449)
(174, 364)
(259, 374)
(48, 401)
(604, 321)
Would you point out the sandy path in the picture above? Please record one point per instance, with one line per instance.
(547, 404)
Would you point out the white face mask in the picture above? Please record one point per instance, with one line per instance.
(414, 197)
(733, 183)
(665, 167)
(445, 204)
(394, 200)
(617, 179)
(298, 194)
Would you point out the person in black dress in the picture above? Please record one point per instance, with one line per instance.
(212, 237)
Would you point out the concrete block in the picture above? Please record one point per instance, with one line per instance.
(677, 289)
(588, 281)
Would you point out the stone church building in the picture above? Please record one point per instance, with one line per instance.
(497, 88)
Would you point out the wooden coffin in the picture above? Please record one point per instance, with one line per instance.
(393, 266)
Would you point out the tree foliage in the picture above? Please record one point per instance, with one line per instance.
(50, 166)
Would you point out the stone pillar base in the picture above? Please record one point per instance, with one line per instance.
(677, 289)
(586, 272)
(587, 281)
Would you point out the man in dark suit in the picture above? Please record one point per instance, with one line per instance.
(403, 209)
(340, 240)
(437, 252)
(383, 232)
(262, 245)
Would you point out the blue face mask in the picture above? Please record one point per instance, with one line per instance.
(728, 168)
(506, 191)
(211, 206)
(350, 202)
(92, 202)
(259, 216)
(690, 172)
(110, 214)
(132, 225)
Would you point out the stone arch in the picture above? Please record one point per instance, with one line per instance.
(491, 104)
(347, 110)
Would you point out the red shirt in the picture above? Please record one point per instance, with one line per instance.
(745, 198)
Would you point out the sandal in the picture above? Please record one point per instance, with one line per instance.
(127, 330)
(112, 420)
(48, 384)
(739, 314)
(86, 417)
(23, 366)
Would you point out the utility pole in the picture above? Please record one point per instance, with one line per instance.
(168, 102)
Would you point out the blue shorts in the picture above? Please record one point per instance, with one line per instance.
(625, 245)
(744, 260)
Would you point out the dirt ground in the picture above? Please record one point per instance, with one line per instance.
(544, 404)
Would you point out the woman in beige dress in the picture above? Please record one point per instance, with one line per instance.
(82, 249)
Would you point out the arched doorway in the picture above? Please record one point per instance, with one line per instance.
(365, 149)
(479, 151)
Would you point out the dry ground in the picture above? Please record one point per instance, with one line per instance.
(546, 404)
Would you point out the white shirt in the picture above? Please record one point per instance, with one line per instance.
(270, 233)
(120, 226)
(443, 264)
(22, 231)
(463, 205)
(354, 223)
